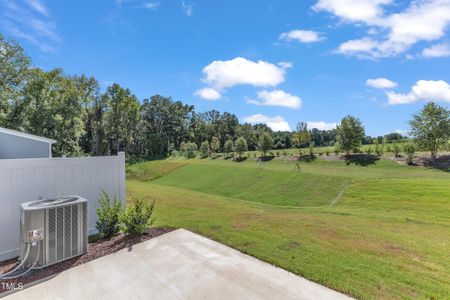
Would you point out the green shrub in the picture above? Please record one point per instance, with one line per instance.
(337, 149)
(396, 150)
(327, 152)
(204, 149)
(108, 223)
(138, 218)
(191, 149)
(311, 149)
(388, 148)
(409, 149)
(228, 148)
(369, 150)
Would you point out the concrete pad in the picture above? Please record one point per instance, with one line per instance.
(177, 265)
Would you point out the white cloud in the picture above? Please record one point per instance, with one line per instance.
(353, 10)
(285, 64)
(425, 20)
(187, 8)
(439, 50)
(208, 94)
(359, 46)
(277, 98)
(225, 74)
(426, 90)
(277, 123)
(38, 6)
(381, 83)
(321, 125)
(151, 5)
(302, 36)
(29, 21)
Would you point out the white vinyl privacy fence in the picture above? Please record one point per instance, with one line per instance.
(23, 180)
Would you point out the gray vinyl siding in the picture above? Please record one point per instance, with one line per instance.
(12, 146)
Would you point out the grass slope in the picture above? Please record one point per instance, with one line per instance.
(384, 239)
(275, 187)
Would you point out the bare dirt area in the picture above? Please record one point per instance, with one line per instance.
(96, 249)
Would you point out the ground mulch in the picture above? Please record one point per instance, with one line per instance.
(96, 250)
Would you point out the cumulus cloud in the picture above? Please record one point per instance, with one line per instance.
(439, 50)
(381, 83)
(276, 123)
(425, 90)
(277, 98)
(222, 74)
(302, 36)
(321, 125)
(353, 10)
(425, 20)
(208, 94)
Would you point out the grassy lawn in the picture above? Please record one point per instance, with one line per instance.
(386, 235)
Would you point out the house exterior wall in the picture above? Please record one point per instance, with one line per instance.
(23, 180)
(12, 146)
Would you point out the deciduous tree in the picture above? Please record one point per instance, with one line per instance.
(350, 133)
(431, 127)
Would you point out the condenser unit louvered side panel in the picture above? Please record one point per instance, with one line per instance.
(67, 232)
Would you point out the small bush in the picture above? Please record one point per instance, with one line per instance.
(278, 153)
(327, 152)
(409, 149)
(108, 223)
(138, 218)
(369, 150)
(396, 150)
(204, 149)
(337, 150)
(191, 149)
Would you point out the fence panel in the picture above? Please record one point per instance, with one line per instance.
(23, 180)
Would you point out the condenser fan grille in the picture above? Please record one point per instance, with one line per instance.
(66, 226)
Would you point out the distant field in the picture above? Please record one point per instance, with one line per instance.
(380, 231)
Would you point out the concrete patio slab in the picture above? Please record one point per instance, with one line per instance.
(177, 265)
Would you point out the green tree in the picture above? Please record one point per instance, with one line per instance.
(228, 148)
(14, 64)
(204, 149)
(265, 143)
(241, 146)
(215, 144)
(350, 133)
(164, 122)
(122, 117)
(52, 108)
(431, 128)
(302, 136)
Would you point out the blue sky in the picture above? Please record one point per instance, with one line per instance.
(277, 62)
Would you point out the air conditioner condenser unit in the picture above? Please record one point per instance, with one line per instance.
(53, 230)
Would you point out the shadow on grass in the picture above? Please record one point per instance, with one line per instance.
(240, 159)
(307, 158)
(442, 163)
(265, 158)
(361, 159)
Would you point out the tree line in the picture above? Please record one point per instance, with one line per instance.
(87, 121)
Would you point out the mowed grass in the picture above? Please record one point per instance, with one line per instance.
(384, 238)
(275, 187)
